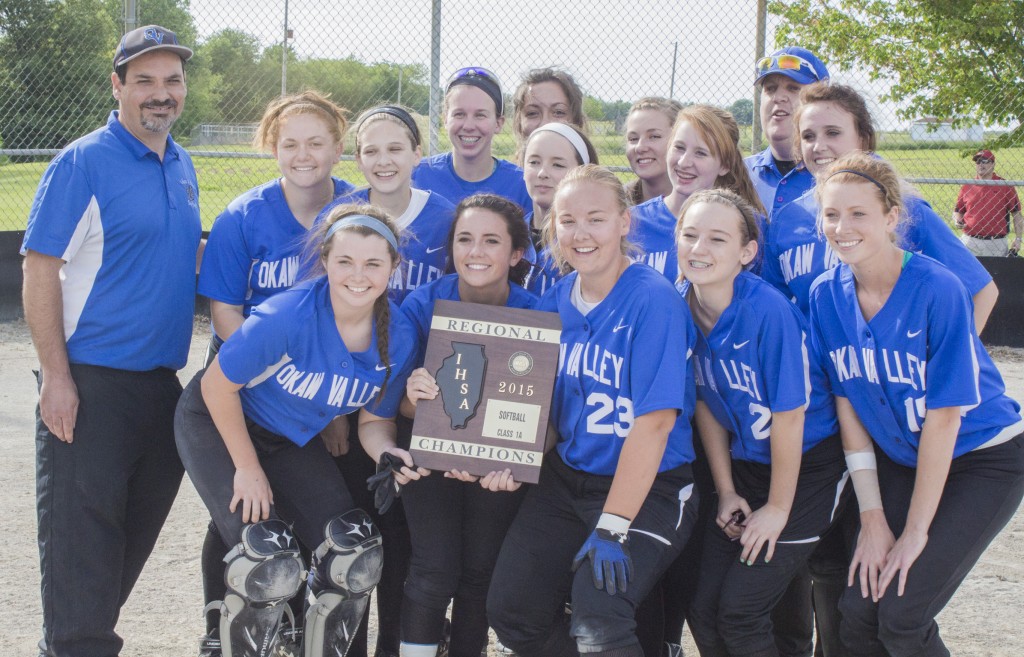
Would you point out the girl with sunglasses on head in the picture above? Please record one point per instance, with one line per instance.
(246, 430)
(768, 425)
(703, 154)
(552, 150)
(615, 503)
(458, 523)
(936, 453)
(833, 121)
(648, 133)
(473, 115)
(255, 246)
(545, 95)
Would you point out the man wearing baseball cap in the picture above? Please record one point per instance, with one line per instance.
(983, 212)
(775, 172)
(109, 284)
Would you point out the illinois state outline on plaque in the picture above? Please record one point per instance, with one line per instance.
(461, 379)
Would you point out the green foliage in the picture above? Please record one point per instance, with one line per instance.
(593, 108)
(54, 70)
(956, 59)
(743, 111)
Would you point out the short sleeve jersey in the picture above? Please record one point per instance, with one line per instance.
(774, 188)
(298, 375)
(424, 240)
(653, 230)
(437, 174)
(627, 357)
(919, 351)
(756, 362)
(418, 306)
(255, 247)
(126, 224)
(985, 209)
(796, 253)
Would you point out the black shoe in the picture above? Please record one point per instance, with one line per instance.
(209, 645)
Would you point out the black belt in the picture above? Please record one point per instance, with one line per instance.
(988, 237)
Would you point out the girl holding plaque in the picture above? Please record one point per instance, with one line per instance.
(615, 503)
(457, 525)
(768, 425)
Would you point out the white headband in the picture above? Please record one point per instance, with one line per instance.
(569, 133)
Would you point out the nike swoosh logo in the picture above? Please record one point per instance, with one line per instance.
(435, 250)
(740, 345)
(620, 327)
(914, 334)
(380, 368)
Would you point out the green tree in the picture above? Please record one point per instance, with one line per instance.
(743, 111)
(54, 70)
(957, 59)
(244, 87)
(593, 108)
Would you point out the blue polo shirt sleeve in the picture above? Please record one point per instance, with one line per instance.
(63, 210)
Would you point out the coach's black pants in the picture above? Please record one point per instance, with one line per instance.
(101, 501)
(533, 575)
(983, 490)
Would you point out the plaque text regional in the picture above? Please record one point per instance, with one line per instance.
(496, 370)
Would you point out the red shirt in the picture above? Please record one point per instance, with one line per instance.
(985, 209)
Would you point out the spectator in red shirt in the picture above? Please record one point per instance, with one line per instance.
(983, 212)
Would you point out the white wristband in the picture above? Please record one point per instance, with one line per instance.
(613, 523)
(861, 461)
(863, 467)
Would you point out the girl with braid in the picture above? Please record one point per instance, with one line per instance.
(327, 347)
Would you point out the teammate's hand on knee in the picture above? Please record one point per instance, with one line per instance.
(874, 542)
(252, 492)
(335, 436)
(461, 475)
(421, 385)
(763, 529)
(496, 481)
(901, 557)
(58, 406)
(729, 503)
(609, 557)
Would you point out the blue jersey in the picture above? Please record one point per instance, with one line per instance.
(437, 174)
(654, 231)
(298, 375)
(919, 352)
(418, 306)
(756, 362)
(628, 357)
(774, 189)
(796, 253)
(126, 224)
(255, 247)
(426, 224)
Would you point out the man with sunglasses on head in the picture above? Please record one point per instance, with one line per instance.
(982, 212)
(776, 174)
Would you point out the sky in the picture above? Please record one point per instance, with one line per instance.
(613, 50)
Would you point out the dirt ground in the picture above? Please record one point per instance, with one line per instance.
(163, 618)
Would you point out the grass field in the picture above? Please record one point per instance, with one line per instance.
(222, 179)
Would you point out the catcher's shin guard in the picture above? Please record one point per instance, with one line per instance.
(344, 570)
(262, 573)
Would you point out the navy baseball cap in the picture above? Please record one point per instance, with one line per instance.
(147, 39)
(796, 63)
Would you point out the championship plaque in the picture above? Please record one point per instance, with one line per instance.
(496, 370)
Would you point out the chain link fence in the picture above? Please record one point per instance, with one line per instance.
(55, 59)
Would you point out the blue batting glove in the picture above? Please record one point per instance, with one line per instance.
(608, 552)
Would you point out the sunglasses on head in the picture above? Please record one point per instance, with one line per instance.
(473, 72)
(785, 63)
(983, 160)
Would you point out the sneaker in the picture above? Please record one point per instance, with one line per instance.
(502, 649)
(209, 645)
(445, 643)
(673, 650)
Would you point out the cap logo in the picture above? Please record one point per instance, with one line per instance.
(152, 34)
